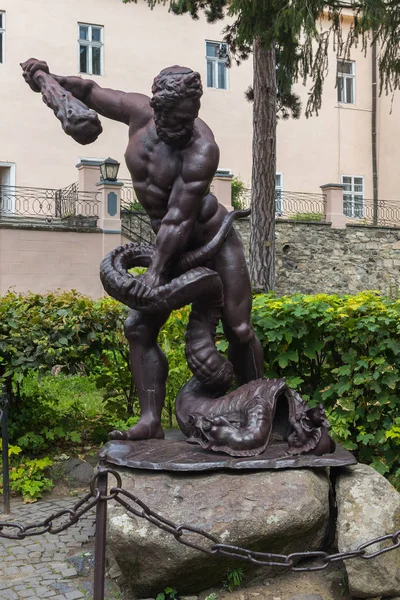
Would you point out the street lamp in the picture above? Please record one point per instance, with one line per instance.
(109, 169)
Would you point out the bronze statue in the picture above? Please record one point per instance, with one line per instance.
(172, 157)
(197, 259)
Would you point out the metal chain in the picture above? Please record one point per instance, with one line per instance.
(185, 534)
(55, 523)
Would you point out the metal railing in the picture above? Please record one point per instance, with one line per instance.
(136, 226)
(67, 204)
(296, 206)
(128, 194)
(365, 211)
(135, 222)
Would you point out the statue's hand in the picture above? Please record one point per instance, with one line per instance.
(29, 68)
(145, 286)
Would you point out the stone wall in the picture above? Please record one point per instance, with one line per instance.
(313, 258)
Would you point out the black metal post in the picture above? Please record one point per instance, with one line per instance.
(100, 541)
(4, 450)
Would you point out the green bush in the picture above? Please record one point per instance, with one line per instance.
(238, 189)
(62, 410)
(307, 216)
(27, 476)
(342, 351)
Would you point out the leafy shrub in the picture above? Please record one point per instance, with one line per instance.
(316, 217)
(55, 409)
(342, 351)
(238, 189)
(27, 476)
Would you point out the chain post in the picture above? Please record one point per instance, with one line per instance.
(101, 528)
(4, 450)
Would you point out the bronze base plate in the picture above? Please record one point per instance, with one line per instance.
(175, 454)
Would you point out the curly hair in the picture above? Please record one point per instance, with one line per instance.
(174, 84)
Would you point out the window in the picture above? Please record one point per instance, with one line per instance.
(2, 36)
(90, 49)
(346, 81)
(278, 194)
(353, 196)
(217, 70)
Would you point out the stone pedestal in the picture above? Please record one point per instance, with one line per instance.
(270, 511)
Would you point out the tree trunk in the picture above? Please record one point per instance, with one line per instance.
(262, 231)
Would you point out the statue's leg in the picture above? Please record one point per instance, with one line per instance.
(149, 368)
(245, 350)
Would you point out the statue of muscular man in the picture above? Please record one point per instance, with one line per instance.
(172, 157)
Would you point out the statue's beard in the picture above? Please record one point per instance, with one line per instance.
(178, 137)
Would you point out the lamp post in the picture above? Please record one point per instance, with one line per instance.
(109, 169)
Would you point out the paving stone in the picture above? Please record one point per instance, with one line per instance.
(38, 567)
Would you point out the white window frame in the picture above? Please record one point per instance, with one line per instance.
(3, 37)
(278, 194)
(342, 81)
(10, 208)
(215, 61)
(90, 45)
(353, 200)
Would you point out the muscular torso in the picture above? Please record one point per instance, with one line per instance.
(154, 167)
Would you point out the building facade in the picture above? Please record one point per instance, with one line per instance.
(124, 46)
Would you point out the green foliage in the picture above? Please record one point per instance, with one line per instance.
(237, 193)
(234, 579)
(55, 410)
(169, 593)
(342, 351)
(172, 342)
(27, 476)
(212, 596)
(82, 341)
(60, 328)
(307, 216)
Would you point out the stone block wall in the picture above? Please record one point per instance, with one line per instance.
(314, 258)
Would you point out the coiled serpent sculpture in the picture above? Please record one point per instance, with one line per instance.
(244, 421)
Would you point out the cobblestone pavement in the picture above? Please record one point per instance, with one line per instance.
(48, 566)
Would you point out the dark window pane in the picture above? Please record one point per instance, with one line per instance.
(222, 83)
(349, 90)
(1, 20)
(83, 59)
(340, 89)
(96, 61)
(345, 67)
(347, 205)
(358, 207)
(83, 32)
(96, 34)
(212, 49)
(210, 74)
(1, 47)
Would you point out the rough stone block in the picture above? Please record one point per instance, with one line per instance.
(368, 507)
(281, 512)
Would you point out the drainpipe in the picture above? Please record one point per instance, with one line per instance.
(373, 132)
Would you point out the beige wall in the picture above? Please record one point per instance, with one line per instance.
(138, 43)
(40, 260)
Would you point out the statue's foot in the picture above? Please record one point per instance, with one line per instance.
(141, 431)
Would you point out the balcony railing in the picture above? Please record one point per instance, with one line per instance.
(67, 204)
(365, 211)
